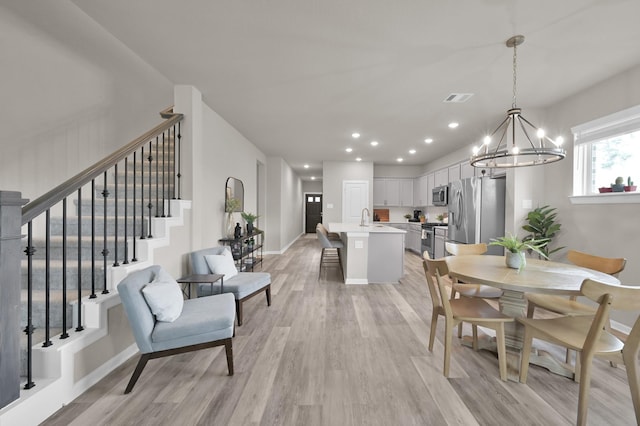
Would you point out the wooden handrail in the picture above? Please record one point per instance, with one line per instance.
(49, 199)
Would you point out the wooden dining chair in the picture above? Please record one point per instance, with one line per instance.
(587, 335)
(473, 310)
(569, 306)
(469, 289)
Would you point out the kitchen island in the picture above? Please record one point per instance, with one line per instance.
(372, 253)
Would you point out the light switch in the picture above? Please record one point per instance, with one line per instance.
(527, 204)
(359, 244)
(329, 205)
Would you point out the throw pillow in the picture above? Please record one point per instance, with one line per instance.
(164, 297)
(222, 264)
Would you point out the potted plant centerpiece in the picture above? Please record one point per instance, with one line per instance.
(515, 248)
(249, 218)
(407, 216)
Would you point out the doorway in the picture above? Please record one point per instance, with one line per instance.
(313, 212)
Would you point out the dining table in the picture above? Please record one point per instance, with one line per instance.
(537, 276)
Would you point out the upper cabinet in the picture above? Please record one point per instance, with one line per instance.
(441, 177)
(454, 173)
(467, 170)
(392, 192)
(421, 194)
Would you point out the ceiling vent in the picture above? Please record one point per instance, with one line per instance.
(458, 97)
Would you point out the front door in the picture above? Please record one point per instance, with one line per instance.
(313, 212)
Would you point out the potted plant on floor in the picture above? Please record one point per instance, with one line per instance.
(249, 218)
(542, 225)
(515, 248)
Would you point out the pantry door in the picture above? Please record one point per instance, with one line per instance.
(355, 197)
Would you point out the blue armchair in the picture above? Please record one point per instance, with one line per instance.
(243, 286)
(203, 323)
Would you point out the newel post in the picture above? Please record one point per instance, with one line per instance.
(11, 203)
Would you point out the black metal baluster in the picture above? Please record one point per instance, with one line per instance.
(126, 210)
(179, 160)
(79, 327)
(29, 251)
(150, 205)
(142, 230)
(93, 240)
(157, 180)
(105, 250)
(64, 334)
(133, 231)
(164, 166)
(115, 217)
(172, 170)
(47, 280)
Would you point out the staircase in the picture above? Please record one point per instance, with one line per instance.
(94, 228)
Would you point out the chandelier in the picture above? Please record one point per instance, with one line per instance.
(515, 130)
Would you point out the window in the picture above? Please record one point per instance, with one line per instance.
(605, 149)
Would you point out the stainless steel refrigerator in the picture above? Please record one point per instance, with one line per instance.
(476, 211)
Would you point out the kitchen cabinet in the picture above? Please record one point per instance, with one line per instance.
(393, 192)
(414, 237)
(420, 194)
(467, 170)
(406, 192)
(454, 173)
(440, 236)
(430, 186)
(441, 177)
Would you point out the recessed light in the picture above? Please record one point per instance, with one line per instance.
(399, 160)
(453, 125)
(412, 151)
(355, 135)
(428, 140)
(306, 166)
(374, 143)
(349, 149)
(313, 178)
(358, 159)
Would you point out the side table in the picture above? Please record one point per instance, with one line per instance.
(195, 279)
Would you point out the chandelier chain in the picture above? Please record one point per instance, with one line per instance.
(513, 104)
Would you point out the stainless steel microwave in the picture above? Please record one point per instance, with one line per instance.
(440, 196)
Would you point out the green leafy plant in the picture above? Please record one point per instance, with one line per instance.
(542, 225)
(231, 204)
(407, 216)
(249, 217)
(515, 245)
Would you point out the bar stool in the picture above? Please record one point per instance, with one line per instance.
(330, 250)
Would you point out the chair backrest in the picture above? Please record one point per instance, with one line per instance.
(434, 271)
(607, 265)
(322, 229)
(324, 239)
(199, 264)
(618, 297)
(140, 316)
(464, 249)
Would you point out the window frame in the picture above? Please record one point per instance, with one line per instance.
(584, 135)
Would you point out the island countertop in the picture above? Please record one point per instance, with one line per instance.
(369, 228)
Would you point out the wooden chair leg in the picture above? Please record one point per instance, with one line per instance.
(526, 353)
(268, 291)
(502, 352)
(448, 337)
(474, 334)
(142, 362)
(229, 350)
(434, 322)
(585, 383)
(630, 361)
(607, 326)
(239, 312)
(530, 308)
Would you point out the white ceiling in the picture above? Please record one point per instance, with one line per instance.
(298, 77)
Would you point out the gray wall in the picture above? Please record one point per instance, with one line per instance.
(67, 100)
(312, 186)
(333, 174)
(284, 205)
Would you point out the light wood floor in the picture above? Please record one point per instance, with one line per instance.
(329, 354)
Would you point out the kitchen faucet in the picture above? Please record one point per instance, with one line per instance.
(362, 216)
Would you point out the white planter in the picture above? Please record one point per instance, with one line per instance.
(515, 260)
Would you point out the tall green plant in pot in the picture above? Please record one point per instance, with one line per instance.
(542, 225)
